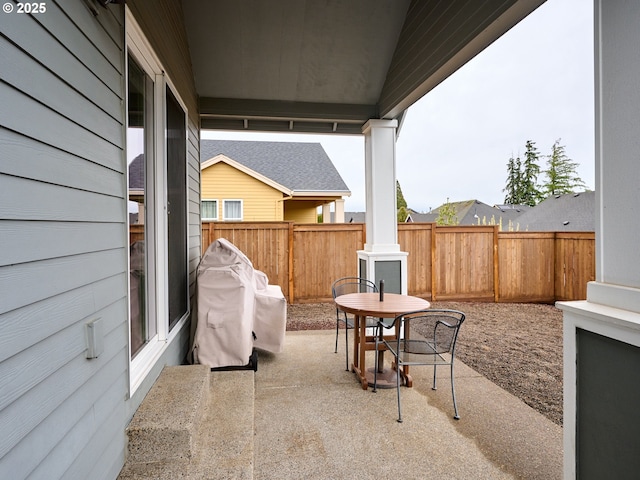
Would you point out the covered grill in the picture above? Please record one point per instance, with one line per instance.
(237, 309)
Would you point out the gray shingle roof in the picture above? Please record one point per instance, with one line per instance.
(352, 217)
(467, 210)
(136, 173)
(423, 217)
(573, 212)
(295, 165)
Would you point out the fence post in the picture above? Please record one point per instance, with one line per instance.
(211, 233)
(556, 266)
(205, 237)
(496, 269)
(290, 250)
(433, 262)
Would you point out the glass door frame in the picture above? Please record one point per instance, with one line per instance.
(157, 282)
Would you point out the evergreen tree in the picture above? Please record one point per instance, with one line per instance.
(512, 189)
(403, 214)
(530, 171)
(447, 214)
(401, 204)
(561, 173)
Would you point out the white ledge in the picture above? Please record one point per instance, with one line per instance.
(602, 313)
(617, 296)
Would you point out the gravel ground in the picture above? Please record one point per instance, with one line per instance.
(518, 346)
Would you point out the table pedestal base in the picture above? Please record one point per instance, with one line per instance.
(386, 379)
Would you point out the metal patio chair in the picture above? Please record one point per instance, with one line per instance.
(426, 337)
(344, 286)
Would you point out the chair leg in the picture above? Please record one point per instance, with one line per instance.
(375, 370)
(453, 394)
(337, 325)
(346, 345)
(398, 389)
(434, 378)
(453, 390)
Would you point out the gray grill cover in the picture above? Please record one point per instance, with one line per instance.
(235, 300)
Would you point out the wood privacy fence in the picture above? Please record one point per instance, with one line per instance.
(472, 263)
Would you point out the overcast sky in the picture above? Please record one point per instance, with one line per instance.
(534, 83)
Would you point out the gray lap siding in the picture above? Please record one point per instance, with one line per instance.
(64, 243)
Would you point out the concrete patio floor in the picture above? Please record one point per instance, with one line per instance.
(313, 420)
(302, 416)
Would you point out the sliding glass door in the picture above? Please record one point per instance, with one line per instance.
(177, 209)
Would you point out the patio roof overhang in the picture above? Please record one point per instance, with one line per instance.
(328, 67)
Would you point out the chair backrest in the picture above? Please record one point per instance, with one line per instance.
(438, 327)
(347, 285)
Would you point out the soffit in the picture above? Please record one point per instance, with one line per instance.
(328, 66)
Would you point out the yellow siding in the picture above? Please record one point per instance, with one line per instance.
(260, 201)
(300, 211)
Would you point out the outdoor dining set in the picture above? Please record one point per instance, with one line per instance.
(239, 311)
(405, 326)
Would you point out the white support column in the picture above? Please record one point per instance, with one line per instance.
(326, 213)
(380, 184)
(609, 320)
(339, 213)
(381, 258)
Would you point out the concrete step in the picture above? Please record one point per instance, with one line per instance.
(226, 434)
(193, 424)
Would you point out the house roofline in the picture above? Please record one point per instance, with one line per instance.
(243, 168)
(321, 193)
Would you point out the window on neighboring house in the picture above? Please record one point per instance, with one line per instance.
(232, 209)
(209, 210)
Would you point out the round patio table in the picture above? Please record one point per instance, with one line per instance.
(363, 305)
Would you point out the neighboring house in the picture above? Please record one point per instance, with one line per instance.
(267, 181)
(414, 216)
(474, 212)
(136, 189)
(354, 217)
(572, 212)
